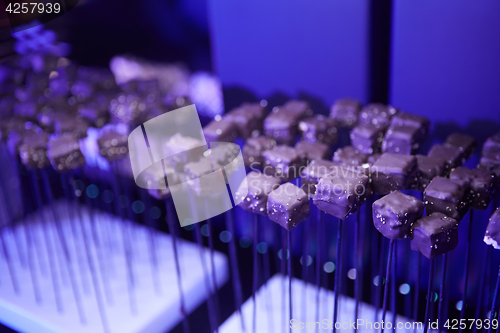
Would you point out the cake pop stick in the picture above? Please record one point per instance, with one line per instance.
(54, 277)
(442, 290)
(267, 274)
(233, 258)
(288, 206)
(357, 266)
(208, 285)
(394, 270)
(387, 275)
(71, 210)
(305, 264)
(484, 274)
(99, 254)
(492, 237)
(467, 264)
(173, 232)
(10, 266)
(416, 295)
(337, 283)
(214, 276)
(65, 248)
(394, 216)
(429, 296)
(255, 281)
(434, 235)
(153, 255)
(319, 251)
(290, 299)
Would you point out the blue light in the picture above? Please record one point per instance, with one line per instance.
(92, 191)
(138, 207)
(225, 236)
(155, 212)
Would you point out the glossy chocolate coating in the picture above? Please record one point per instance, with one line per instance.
(408, 119)
(492, 235)
(127, 108)
(491, 161)
(313, 150)
(220, 131)
(394, 172)
(492, 141)
(465, 143)
(395, 214)
(346, 112)
(248, 119)
(434, 235)
(281, 124)
(367, 138)
(257, 186)
(340, 196)
(181, 150)
(253, 149)
(64, 153)
(195, 172)
(348, 155)
(113, 146)
(33, 151)
(482, 185)
(319, 129)
(313, 173)
(428, 167)
(288, 205)
(401, 140)
(452, 156)
(283, 162)
(447, 196)
(70, 123)
(377, 114)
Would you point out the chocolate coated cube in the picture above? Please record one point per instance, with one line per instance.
(482, 185)
(284, 162)
(492, 141)
(447, 196)
(428, 167)
(288, 205)
(313, 173)
(394, 172)
(220, 131)
(319, 129)
(253, 149)
(340, 196)
(492, 235)
(248, 118)
(452, 156)
(113, 145)
(33, 151)
(395, 214)
(465, 143)
(348, 155)
(313, 150)
(257, 186)
(491, 161)
(367, 138)
(408, 119)
(435, 235)
(64, 152)
(377, 114)
(401, 140)
(346, 112)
